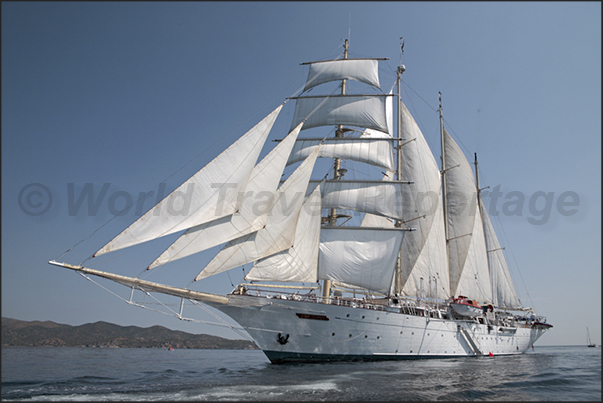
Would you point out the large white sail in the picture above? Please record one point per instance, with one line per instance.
(372, 147)
(208, 195)
(373, 220)
(367, 111)
(503, 291)
(362, 70)
(423, 253)
(278, 233)
(474, 281)
(431, 264)
(466, 245)
(299, 263)
(251, 214)
(375, 197)
(360, 256)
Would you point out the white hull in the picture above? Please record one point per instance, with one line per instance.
(342, 333)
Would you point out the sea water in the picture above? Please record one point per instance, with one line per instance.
(63, 373)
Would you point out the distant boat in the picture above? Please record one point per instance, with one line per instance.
(171, 349)
(588, 342)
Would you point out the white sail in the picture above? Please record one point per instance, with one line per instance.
(503, 291)
(423, 253)
(367, 111)
(474, 281)
(431, 263)
(360, 256)
(375, 197)
(208, 195)
(299, 263)
(278, 233)
(466, 245)
(362, 70)
(373, 220)
(251, 214)
(372, 147)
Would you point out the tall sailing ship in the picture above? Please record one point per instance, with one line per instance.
(422, 274)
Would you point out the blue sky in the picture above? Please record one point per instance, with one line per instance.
(137, 94)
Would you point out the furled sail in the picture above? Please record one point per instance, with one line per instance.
(375, 197)
(466, 245)
(503, 291)
(367, 111)
(360, 256)
(278, 233)
(251, 214)
(423, 253)
(299, 263)
(208, 195)
(362, 70)
(372, 147)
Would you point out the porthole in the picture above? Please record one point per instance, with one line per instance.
(362, 316)
(411, 351)
(365, 336)
(378, 337)
(332, 334)
(348, 315)
(427, 334)
(413, 333)
(377, 318)
(350, 335)
(442, 335)
(401, 332)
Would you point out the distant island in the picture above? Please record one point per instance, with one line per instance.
(102, 334)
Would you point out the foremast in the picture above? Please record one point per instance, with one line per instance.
(332, 218)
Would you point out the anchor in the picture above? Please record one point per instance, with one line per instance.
(281, 339)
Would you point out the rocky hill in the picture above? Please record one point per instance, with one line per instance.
(102, 334)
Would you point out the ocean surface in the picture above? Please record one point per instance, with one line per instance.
(62, 373)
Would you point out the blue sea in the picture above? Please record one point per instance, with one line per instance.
(61, 373)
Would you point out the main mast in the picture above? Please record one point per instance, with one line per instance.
(444, 199)
(326, 290)
(398, 271)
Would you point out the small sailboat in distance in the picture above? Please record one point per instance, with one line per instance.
(588, 342)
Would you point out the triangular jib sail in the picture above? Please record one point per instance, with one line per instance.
(208, 195)
(278, 233)
(251, 215)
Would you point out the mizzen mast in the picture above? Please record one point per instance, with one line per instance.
(443, 159)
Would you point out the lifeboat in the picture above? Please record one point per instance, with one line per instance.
(463, 306)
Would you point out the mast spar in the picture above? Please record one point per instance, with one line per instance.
(444, 201)
(337, 173)
(398, 224)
